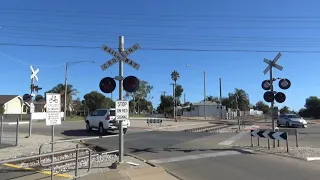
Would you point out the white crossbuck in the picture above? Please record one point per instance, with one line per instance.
(120, 57)
(34, 73)
(272, 63)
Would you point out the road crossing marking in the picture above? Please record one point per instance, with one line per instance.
(194, 157)
(232, 139)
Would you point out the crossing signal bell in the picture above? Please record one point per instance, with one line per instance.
(131, 84)
(107, 85)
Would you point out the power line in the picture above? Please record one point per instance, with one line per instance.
(164, 49)
(85, 13)
(23, 62)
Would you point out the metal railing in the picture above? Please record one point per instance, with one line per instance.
(77, 153)
(6, 137)
(74, 140)
(77, 149)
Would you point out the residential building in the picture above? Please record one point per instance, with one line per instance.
(13, 104)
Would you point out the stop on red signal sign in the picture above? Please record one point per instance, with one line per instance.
(280, 97)
(268, 96)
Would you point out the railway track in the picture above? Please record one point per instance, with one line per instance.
(211, 129)
(66, 161)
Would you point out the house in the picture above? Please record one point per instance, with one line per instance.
(40, 106)
(212, 109)
(13, 104)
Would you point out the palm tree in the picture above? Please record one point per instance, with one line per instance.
(241, 99)
(175, 76)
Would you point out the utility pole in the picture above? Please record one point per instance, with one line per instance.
(220, 84)
(65, 93)
(164, 93)
(204, 94)
(121, 143)
(184, 97)
(174, 100)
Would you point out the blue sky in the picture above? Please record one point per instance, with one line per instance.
(237, 34)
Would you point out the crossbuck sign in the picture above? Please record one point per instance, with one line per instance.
(272, 63)
(120, 57)
(34, 73)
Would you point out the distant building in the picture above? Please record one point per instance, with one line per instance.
(212, 109)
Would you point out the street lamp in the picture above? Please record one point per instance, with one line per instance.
(65, 83)
(204, 92)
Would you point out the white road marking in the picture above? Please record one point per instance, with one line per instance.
(14, 123)
(313, 158)
(232, 139)
(193, 157)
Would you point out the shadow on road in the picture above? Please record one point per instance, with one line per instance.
(151, 150)
(10, 174)
(83, 132)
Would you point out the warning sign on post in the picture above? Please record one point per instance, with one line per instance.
(53, 107)
(122, 110)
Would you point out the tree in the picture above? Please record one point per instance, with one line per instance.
(38, 97)
(239, 99)
(95, 100)
(178, 91)
(213, 99)
(261, 106)
(166, 105)
(141, 94)
(60, 88)
(312, 108)
(1, 110)
(77, 106)
(284, 110)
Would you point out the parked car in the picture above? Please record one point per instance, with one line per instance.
(291, 120)
(104, 120)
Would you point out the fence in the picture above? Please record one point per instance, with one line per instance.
(9, 132)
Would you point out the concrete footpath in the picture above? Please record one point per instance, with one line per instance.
(154, 173)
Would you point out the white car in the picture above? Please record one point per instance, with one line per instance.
(291, 120)
(104, 120)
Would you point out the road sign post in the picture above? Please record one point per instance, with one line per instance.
(53, 117)
(272, 64)
(33, 76)
(120, 57)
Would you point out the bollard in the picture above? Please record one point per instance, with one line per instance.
(268, 143)
(17, 132)
(296, 133)
(76, 166)
(251, 140)
(258, 141)
(1, 131)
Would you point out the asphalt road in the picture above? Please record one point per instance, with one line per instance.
(197, 156)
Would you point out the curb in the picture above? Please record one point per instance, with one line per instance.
(272, 153)
(145, 161)
(153, 165)
(37, 171)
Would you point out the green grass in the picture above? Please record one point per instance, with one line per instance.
(75, 118)
(137, 116)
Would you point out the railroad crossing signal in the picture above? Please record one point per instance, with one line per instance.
(107, 85)
(131, 84)
(284, 83)
(120, 57)
(280, 97)
(272, 63)
(266, 85)
(268, 96)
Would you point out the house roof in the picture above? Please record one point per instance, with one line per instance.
(6, 98)
(208, 103)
